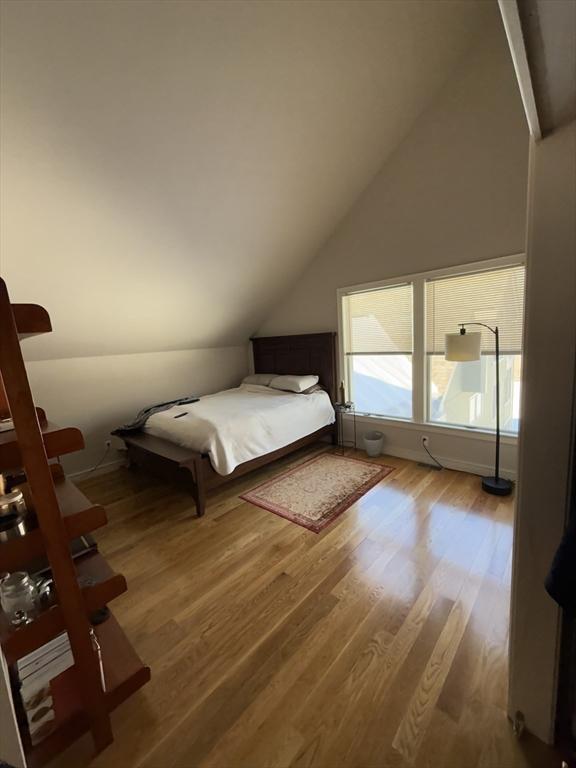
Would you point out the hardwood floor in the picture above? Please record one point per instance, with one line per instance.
(380, 642)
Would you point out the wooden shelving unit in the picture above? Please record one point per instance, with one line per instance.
(57, 513)
(80, 516)
(57, 442)
(108, 585)
(124, 675)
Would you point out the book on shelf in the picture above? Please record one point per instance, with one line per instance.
(41, 657)
(32, 677)
(34, 674)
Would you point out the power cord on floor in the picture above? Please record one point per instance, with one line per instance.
(96, 466)
(434, 459)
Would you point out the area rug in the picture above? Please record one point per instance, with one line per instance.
(315, 493)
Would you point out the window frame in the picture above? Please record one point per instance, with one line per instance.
(347, 359)
(420, 367)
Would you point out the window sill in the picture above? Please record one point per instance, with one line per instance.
(474, 434)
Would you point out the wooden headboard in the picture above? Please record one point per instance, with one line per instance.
(308, 353)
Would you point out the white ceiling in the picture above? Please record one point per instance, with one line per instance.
(168, 168)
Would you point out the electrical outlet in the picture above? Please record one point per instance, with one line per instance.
(425, 440)
(108, 443)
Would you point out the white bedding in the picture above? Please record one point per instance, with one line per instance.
(240, 424)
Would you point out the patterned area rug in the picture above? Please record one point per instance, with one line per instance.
(315, 493)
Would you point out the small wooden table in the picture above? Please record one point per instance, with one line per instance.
(341, 410)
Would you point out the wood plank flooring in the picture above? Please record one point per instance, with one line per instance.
(380, 642)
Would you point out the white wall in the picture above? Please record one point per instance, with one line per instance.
(455, 449)
(548, 381)
(453, 192)
(98, 394)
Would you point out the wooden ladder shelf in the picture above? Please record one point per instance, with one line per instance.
(61, 513)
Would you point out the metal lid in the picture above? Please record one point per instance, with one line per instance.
(14, 497)
(15, 581)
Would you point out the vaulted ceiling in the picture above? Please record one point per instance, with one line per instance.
(169, 168)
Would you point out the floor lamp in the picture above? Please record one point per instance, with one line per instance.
(465, 347)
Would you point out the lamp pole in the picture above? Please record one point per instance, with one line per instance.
(496, 484)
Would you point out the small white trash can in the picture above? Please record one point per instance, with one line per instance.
(373, 443)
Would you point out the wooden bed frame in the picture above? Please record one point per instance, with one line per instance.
(302, 354)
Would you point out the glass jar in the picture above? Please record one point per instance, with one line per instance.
(19, 598)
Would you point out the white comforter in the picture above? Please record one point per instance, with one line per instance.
(240, 424)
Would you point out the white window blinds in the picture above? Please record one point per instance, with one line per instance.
(379, 322)
(495, 298)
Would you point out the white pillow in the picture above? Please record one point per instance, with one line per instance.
(263, 379)
(293, 383)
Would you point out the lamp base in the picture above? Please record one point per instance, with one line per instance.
(497, 486)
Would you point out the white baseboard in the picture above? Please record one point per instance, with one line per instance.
(103, 469)
(456, 464)
(402, 453)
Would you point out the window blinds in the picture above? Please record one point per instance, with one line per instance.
(495, 298)
(379, 322)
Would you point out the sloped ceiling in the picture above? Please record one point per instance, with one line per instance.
(168, 168)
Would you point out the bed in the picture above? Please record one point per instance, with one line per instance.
(272, 421)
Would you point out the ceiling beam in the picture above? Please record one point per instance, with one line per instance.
(513, 27)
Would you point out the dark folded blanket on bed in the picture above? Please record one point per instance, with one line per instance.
(145, 414)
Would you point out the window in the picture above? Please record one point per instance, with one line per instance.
(464, 394)
(393, 346)
(378, 350)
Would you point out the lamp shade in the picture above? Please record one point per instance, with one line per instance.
(463, 347)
